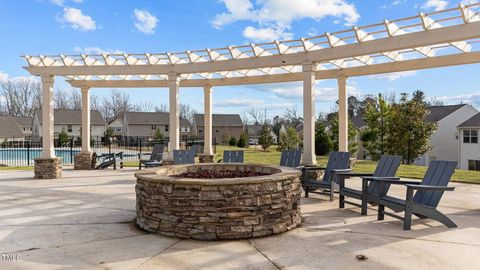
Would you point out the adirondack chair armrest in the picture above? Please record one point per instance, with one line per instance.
(313, 168)
(143, 154)
(341, 171)
(387, 180)
(352, 174)
(427, 187)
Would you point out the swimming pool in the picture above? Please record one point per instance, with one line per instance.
(25, 156)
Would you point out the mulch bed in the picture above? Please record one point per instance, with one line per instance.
(206, 174)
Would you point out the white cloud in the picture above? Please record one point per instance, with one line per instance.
(473, 99)
(239, 102)
(274, 17)
(322, 94)
(435, 4)
(145, 22)
(62, 2)
(3, 76)
(96, 50)
(394, 76)
(78, 20)
(265, 34)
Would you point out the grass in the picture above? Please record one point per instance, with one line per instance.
(16, 168)
(361, 166)
(272, 156)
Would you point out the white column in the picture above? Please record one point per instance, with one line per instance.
(48, 150)
(85, 119)
(309, 157)
(207, 114)
(342, 114)
(174, 128)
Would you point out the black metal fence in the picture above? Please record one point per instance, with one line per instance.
(22, 153)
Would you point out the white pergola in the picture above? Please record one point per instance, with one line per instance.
(438, 39)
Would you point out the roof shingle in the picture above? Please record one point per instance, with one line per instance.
(220, 120)
(72, 117)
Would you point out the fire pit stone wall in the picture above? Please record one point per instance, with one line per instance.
(215, 209)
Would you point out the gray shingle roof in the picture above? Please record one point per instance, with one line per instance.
(23, 121)
(220, 120)
(73, 117)
(152, 118)
(358, 121)
(255, 130)
(437, 113)
(9, 128)
(474, 121)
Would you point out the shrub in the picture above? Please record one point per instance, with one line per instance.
(265, 140)
(242, 141)
(232, 141)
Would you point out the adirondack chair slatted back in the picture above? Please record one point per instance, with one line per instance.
(195, 149)
(157, 152)
(233, 156)
(438, 174)
(387, 167)
(183, 157)
(336, 161)
(291, 158)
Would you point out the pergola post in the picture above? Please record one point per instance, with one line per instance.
(48, 166)
(309, 157)
(174, 129)
(85, 159)
(207, 137)
(342, 114)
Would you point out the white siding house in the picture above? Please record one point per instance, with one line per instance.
(71, 122)
(468, 145)
(444, 140)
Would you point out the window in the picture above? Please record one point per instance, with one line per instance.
(470, 136)
(166, 128)
(154, 127)
(474, 165)
(118, 129)
(69, 128)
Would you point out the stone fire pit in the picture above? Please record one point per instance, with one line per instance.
(222, 208)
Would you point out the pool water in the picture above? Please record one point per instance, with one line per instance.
(24, 157)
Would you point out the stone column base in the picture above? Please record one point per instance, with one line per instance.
(84, 161)
(205, 158)
(48, 168)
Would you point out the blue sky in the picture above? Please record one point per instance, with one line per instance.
(91, 26)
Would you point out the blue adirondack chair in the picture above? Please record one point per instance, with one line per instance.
(387, 166)
(155, 157)
(337, 162)
(291, 158)
(183, 157)
(233, 156)
(422, 198)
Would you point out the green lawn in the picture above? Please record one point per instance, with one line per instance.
(16, 168)
(362, 166)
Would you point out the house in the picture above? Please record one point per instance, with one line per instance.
(71, 122)
(255, 131)
(468, 145)
(360, 126)
(230, 124)
(10, 131)
(143, 125)
(116, 124)
(26, 126)
(444, 141)
(298, 128)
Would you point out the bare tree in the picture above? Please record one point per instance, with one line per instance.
(257, 115)
(161, 108)
(62, 99)
(21, 96)
(76, 100)
(146, 106)
(245, 118)
(187, 112)
(292, 115)
(115, 104)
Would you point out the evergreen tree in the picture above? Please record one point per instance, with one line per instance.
(265, 140)
(323, 142)
(408, 132)
(242, 141)
(232, 141)
(63, 138)
(225, 138)
(158, 135)
(289, 140)
(374, 137)
(352, 135)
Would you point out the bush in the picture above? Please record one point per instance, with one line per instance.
(242, 142)
(232, 141)
(265, 140)
(289, 140)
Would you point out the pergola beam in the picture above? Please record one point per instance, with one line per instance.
(406, 65)
(393, 43)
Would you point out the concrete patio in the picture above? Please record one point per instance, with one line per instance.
(85, 221)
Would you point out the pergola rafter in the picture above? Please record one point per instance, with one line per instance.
(427, 40)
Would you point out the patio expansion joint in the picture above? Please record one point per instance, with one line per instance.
(73, 244)
(158, 253)
(398, 237)
(66, 224)
(264, 255)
